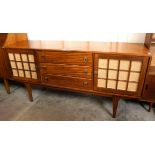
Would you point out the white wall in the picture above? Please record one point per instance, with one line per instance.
(94, 36)
(86, 20)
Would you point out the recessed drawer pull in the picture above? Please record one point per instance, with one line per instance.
(85, 59)
(85, 83)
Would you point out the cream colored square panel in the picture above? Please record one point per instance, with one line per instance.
(111, 84)
(21, 73)
(132, 87)
(17, 57)
(34, 75)
(121, 85)
(32, 66)
(123, 75)
(124, 65)
(31, 58)
(113, 64)
(134, 76)
(11, 56)
(112, 74)
(101, 83)
(136, 65)
(15, 73)
(102, 73)
(102, 63)
(26, 66)
(24, 57)
(13, 64)
(27, 74)
(19, 65)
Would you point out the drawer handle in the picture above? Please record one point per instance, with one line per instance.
(85, 83)
(46, 78)
(85, 71)
(85, 59)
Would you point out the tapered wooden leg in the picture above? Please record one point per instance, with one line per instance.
(150, 106)
(115, 105)
(6, 85)
(29, 90)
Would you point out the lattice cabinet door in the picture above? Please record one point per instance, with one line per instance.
(23, 64)
(119, 74)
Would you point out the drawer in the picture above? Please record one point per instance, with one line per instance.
(67, 82)
(72, 58)
(67, 70)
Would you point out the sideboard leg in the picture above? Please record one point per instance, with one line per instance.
(6, 85)
(115, 105)
(150, 106)
(29, 90)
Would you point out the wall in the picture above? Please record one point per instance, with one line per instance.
(92, 36)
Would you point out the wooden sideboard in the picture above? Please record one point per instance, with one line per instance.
(117, 70)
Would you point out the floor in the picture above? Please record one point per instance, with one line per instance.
(66, 106)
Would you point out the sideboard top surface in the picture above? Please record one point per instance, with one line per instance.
(88, 46)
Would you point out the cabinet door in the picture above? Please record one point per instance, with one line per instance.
(119, 74)
(23, 65)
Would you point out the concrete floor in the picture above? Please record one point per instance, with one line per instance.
(66, 106)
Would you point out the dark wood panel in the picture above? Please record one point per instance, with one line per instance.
(71, 58)
(67, 82)
(1, 64)
(149, 88)
(3, 37)
(66, 70)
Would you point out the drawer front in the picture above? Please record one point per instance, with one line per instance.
(67, 82)
(67, 70)
(71, 58)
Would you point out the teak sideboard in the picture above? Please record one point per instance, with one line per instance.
(118, 70)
